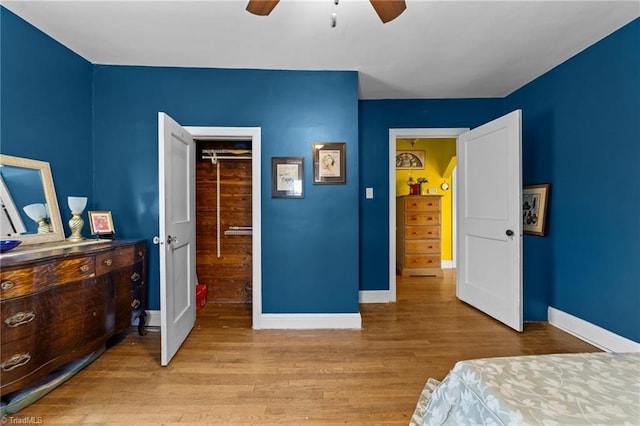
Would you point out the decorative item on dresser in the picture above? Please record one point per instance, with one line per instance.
(418, 235)
(62, 301)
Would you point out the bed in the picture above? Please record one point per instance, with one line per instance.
(563, 389)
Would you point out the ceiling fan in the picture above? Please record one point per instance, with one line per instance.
(387, 10)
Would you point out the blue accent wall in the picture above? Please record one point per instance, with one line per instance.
(376, 118)
(581, 133)
(310, 245)
(46, 106)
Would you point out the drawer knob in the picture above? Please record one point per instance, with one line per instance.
(135, 276)
(19, 319)
(108, 262)
(139, 253)
(135, 303)
(6, 285)
(17, 360)
(84, 268)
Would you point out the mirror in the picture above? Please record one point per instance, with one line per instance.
(29, 207)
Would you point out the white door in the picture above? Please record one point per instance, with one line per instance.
(176, 179)
(489, 275)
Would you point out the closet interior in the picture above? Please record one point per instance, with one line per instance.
(223, 220)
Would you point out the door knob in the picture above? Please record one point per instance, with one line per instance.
(509, 233)
(171, 240)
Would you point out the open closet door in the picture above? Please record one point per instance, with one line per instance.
(176, 154)
(489, 263)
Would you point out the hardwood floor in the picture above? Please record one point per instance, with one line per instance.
(227, 373)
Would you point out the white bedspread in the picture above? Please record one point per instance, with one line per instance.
(566, 389)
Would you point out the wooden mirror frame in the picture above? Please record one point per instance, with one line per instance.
(57, 233)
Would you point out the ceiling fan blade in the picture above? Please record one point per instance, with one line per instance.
(388, 10)
(261, 7)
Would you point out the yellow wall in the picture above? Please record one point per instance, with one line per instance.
(440, 158)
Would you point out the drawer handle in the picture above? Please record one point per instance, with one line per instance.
(17, 360)
(139, 253)
(135, 276)
(7, 285)
(135, 303)
(19, 319)
(108, 262)
(84, 268)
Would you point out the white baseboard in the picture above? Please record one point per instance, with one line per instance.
(289, 321)
(374, 296)
(591, 333)
(447, 264)
(308, 321)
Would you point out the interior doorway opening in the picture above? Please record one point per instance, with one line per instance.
(419, 133)
(245, 134)
(224, 220)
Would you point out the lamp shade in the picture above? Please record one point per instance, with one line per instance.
(77, 204)
(36, 212)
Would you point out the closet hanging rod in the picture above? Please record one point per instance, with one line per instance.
(218, 157)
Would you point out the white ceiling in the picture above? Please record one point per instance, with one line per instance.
(435, 49)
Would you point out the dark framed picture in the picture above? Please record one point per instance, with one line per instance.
(329, 162)
(410, 160)
(101, 223)
(534, 208)
(287, 177)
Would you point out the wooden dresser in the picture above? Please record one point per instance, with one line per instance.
(418, 235)
(62, 303)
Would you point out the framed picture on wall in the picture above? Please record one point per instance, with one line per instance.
(534, 208)
(329, 162)
(410, 160)
(101, 223)
(287, 175)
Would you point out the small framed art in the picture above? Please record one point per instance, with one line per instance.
(101, 223)
(329, 162)
(534, 208)
(287, 175)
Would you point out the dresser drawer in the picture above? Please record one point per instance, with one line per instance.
(18, 282)
(35, 354)
(422, 261)
(422, 218)
(422, 246)
(106, 262)
(422, 204)
(27, 315)
(128, 286)
(421, 232)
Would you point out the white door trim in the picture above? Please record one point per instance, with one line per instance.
(254, 135)
(393, 135)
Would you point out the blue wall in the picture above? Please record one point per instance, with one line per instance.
(316, 250)
(581, 133)
(310, 245)
(376, 118)
(46, 107)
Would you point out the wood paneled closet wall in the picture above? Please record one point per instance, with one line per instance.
(228, 277)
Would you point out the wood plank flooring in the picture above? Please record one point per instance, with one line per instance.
(227, 373)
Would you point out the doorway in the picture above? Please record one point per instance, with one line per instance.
(394, 136)
(223, 220)
(245, 134)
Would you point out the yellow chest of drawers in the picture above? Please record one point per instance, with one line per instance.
(418, 219)
(60, 304)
